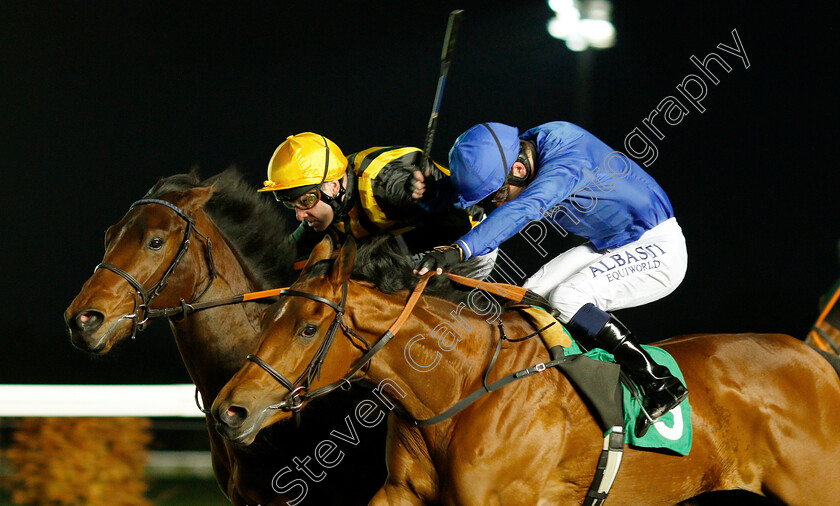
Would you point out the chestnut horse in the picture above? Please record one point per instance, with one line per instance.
(248, 253)
(534, 441)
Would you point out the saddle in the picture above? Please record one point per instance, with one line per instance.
(551, 330)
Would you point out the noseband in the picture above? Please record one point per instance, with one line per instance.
(299, 390)
(142, 312)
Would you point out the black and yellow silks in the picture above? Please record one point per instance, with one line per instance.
(378, 200)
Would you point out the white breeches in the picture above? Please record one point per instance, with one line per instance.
(632, 275)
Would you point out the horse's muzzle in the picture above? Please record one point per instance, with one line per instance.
(85, 322)
(231, 424)
(82, 326)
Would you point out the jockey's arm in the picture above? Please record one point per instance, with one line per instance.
(550, 187)
(393, 186)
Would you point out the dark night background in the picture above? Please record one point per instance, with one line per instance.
(98, 101)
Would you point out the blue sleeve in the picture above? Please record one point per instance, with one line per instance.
(555, 180)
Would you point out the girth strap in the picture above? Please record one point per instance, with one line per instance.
(607, 469)
(485, 389)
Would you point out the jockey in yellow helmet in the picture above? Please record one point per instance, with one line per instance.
(371, 191)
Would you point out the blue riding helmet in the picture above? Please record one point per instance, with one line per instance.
(480, 160)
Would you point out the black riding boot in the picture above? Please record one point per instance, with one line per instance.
(661, 391)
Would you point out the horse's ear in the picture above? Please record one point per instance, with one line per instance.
(322, 251)
(343, 266)
(193, 199)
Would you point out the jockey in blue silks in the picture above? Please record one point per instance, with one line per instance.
(559, 172)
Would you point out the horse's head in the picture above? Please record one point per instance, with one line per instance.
(142, 252)
(291, 360)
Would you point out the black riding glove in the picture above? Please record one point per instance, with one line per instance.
(441, 257)
(426, 187)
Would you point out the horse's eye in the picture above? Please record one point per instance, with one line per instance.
(155, 243)
(309, 331)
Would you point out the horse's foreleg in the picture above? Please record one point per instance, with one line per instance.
(412, 479)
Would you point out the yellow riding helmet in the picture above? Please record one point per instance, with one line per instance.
(302, 160)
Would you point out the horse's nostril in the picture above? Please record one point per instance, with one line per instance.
(234, 416)
(88, 320)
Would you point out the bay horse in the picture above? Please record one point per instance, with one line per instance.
(533, 441)
(249, 253)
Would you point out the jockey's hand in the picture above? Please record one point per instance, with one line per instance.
(420, 180)
(439, 259)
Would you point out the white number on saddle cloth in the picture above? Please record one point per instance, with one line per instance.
(674, 432)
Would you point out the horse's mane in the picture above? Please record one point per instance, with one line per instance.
(259, 232)
(380, 261)
(252, 224)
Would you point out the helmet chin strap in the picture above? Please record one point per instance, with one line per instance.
(524, 159)
(334, 201)
(509, 177)
(343, 200)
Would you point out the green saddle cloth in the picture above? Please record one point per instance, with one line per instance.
(673, 430)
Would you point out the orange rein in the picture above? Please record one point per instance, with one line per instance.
(512, 292)
(818, 339)
(297, 399)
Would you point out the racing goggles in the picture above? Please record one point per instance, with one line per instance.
(302, 202)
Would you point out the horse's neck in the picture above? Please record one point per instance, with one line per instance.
(439, 357)
(214, 342)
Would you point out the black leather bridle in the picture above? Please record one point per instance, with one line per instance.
(299, 390)
(142, 312)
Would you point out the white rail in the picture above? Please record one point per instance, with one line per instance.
(98, 400)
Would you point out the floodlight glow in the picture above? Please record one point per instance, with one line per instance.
(598, 9)
(576, 42)
(561, 5)
(598, 33)
(592, 29)
(560, 28)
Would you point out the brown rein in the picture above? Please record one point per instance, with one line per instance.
(608, 462)
(299, 393)
(142, 312)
